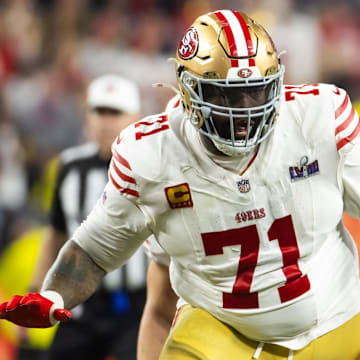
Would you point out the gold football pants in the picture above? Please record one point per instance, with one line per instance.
(197, 335)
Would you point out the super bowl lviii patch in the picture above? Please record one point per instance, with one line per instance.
(304, 170)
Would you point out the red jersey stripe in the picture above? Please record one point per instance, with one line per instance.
(120, 159)
(342, 107)
(124, 190)
(349, 138)
(229, 36)
(250, 162)
(346, 123)
(121, 175)
(173, 103)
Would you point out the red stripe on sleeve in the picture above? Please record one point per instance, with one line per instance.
(121, 175)
(346, 123)
(230, 38)
(123, 190)
(349, 138)
(120, 159)
(342, 107)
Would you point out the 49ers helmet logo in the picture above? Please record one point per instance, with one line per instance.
(245, 73)
(189, 44)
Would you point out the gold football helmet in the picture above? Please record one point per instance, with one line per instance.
(230, 78)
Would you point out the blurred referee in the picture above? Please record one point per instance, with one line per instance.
(106, 326)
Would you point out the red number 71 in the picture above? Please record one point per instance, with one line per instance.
(282, 230)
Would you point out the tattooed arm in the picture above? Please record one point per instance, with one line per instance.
(74, 275)
(110, 235)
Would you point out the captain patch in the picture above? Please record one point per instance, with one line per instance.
(179, 196)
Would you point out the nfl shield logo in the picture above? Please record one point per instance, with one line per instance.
(243, 185)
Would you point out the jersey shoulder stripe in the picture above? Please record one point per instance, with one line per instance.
(120, 173)
(118, 157)
(173, 103)
(347, 124)
(123, 190)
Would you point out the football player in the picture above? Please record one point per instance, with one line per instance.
(243, 184)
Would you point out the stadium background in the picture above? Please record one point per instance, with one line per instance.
(50, 49)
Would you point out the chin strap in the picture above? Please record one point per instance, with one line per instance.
(165, 85)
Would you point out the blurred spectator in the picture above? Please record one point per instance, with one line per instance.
(7, 56)
(13, 189)
(340, 26)
(297, 34)
(23, 30)
(133, 47)
(48, 99)
(340, 31)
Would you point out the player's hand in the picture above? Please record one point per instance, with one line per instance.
(35, 310)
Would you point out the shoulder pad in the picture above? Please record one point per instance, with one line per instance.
(137, 153)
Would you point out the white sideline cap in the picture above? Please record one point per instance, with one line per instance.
(114, 92)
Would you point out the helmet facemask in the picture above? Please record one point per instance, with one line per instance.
(235, 114)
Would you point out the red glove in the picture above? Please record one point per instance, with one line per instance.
(35, 310)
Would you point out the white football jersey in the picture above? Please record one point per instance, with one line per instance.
(265, 252)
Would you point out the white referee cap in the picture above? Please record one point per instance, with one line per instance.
(114, 92)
